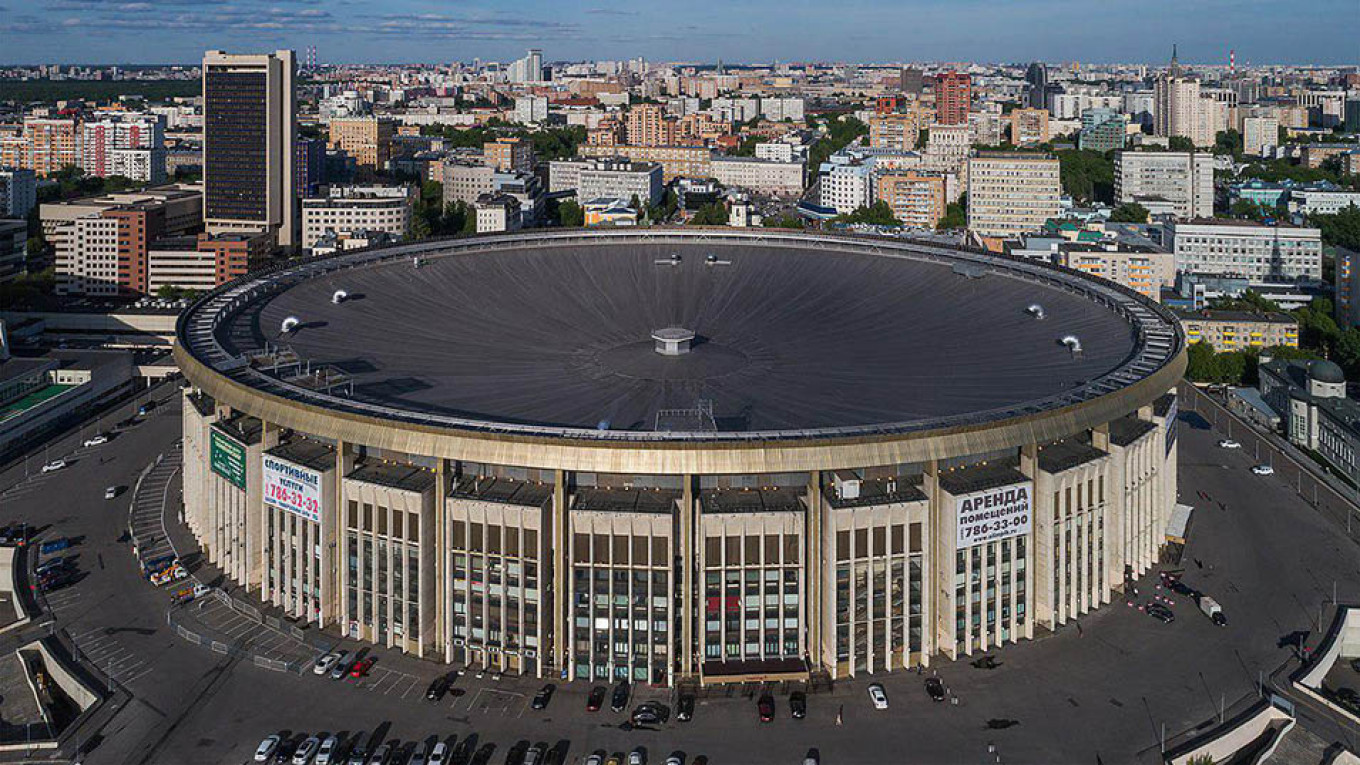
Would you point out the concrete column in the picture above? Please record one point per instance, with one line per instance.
(812, 570)
(559, 538)
(687, 551)
(440, 556)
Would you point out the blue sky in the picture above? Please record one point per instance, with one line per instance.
(171, 31)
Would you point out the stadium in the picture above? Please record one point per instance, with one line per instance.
(680, 455)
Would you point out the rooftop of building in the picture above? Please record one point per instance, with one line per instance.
(509, 491)
(967, 479)
(748, 500)
(1239, 223)
(635, 500)
(1215, 314)
(304, 452)
(877, 491)
(395, 475)
(1067, 454)
(1126, 430)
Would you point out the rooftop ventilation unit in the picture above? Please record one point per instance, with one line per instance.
(339, 297)
(1072, 343)
(673, 260)
(1035, 310)
(289, 324)
(714, 260)
(673, 341)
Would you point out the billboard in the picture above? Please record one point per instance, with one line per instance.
(292, 487)
(227, 457)
(993, 514)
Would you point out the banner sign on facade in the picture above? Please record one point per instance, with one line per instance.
(227, 457)
(993, 514)
(292, 487)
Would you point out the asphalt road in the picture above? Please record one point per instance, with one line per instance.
(1105, 692)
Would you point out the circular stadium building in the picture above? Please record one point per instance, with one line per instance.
(680, 455)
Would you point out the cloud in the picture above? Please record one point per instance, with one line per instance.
(611, 12)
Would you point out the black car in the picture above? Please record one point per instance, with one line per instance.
(684, 708)
(620, 698)
(55, 580)
(798, 704)
(596, 698)
(935, 687)
(438, 687)
(1160, 612)
(1181, 588)
(14, 535)
(646, 716)
(543, 696)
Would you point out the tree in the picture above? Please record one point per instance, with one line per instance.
(571, 214)
(1130, 212)
(840, 131)
(1180, 143)
(876, 214)
(1341, 229)
(1228, 142)
(955, 216)
(1348, 351)
(711, 214)
(783, 220)
(1086, 175)
(1317, 328)
(1246, 208)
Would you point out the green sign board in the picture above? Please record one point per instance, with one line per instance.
(228, 458)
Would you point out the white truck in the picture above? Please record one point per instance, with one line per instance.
(1213, 610)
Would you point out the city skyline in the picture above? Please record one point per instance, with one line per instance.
(759, 31)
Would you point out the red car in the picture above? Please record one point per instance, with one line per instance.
(766, 708)
(596, 698)
(362, 666)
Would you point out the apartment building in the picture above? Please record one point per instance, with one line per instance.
(846, 185)
(1011, 193)
(648, 125)
(367, 139)
(1247, 248)
(45, 146)
(1141, 268)
(915, 199)
(1029, 126)
(762, 176)
(897, 130)
(13, 249)
(127, 145)
(497, 212)
(607, 178)
(1182, 180)
(178, 262)
(675, 161)
(953, 97)
(354, 208)
(513, 154)
(1239, 330)
(18, 192)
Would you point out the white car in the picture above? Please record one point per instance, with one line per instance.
(266, 749)
(326, 662)
(675, 759)
(1263, 470)
(595, 759)
(54, 466)
(637, 757)
(439, 754)
(1228, 443)
(111, 492)
(304, 753)
(877, 696)
(97, 440)
(326, 751)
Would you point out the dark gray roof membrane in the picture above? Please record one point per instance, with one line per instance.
(787, 338)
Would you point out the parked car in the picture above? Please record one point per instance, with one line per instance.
(14, 535)
(684, 707)
(596, 698)
(650, 713)
(52, 564)
(596, 758)
(98, 440)
(676, 758)
(361, 668)
(535, 755)
(54, 466)
(328, 752)
(55, 546)
(542, 698)
(147, 407)
(1160, 612)
(1228, 443)
(358, 755)
(935, 688)
(1263, 470)
(877, 696)
(798, 704)
(439, 754)
(306, 751)
(813, 757)
(326, 662)
(1355, 664)
(620, 698)
(438, 687)
(112, 492)
(765, 707)
(341, 669)
(638, 756)
(381, 753)
(266, 749)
